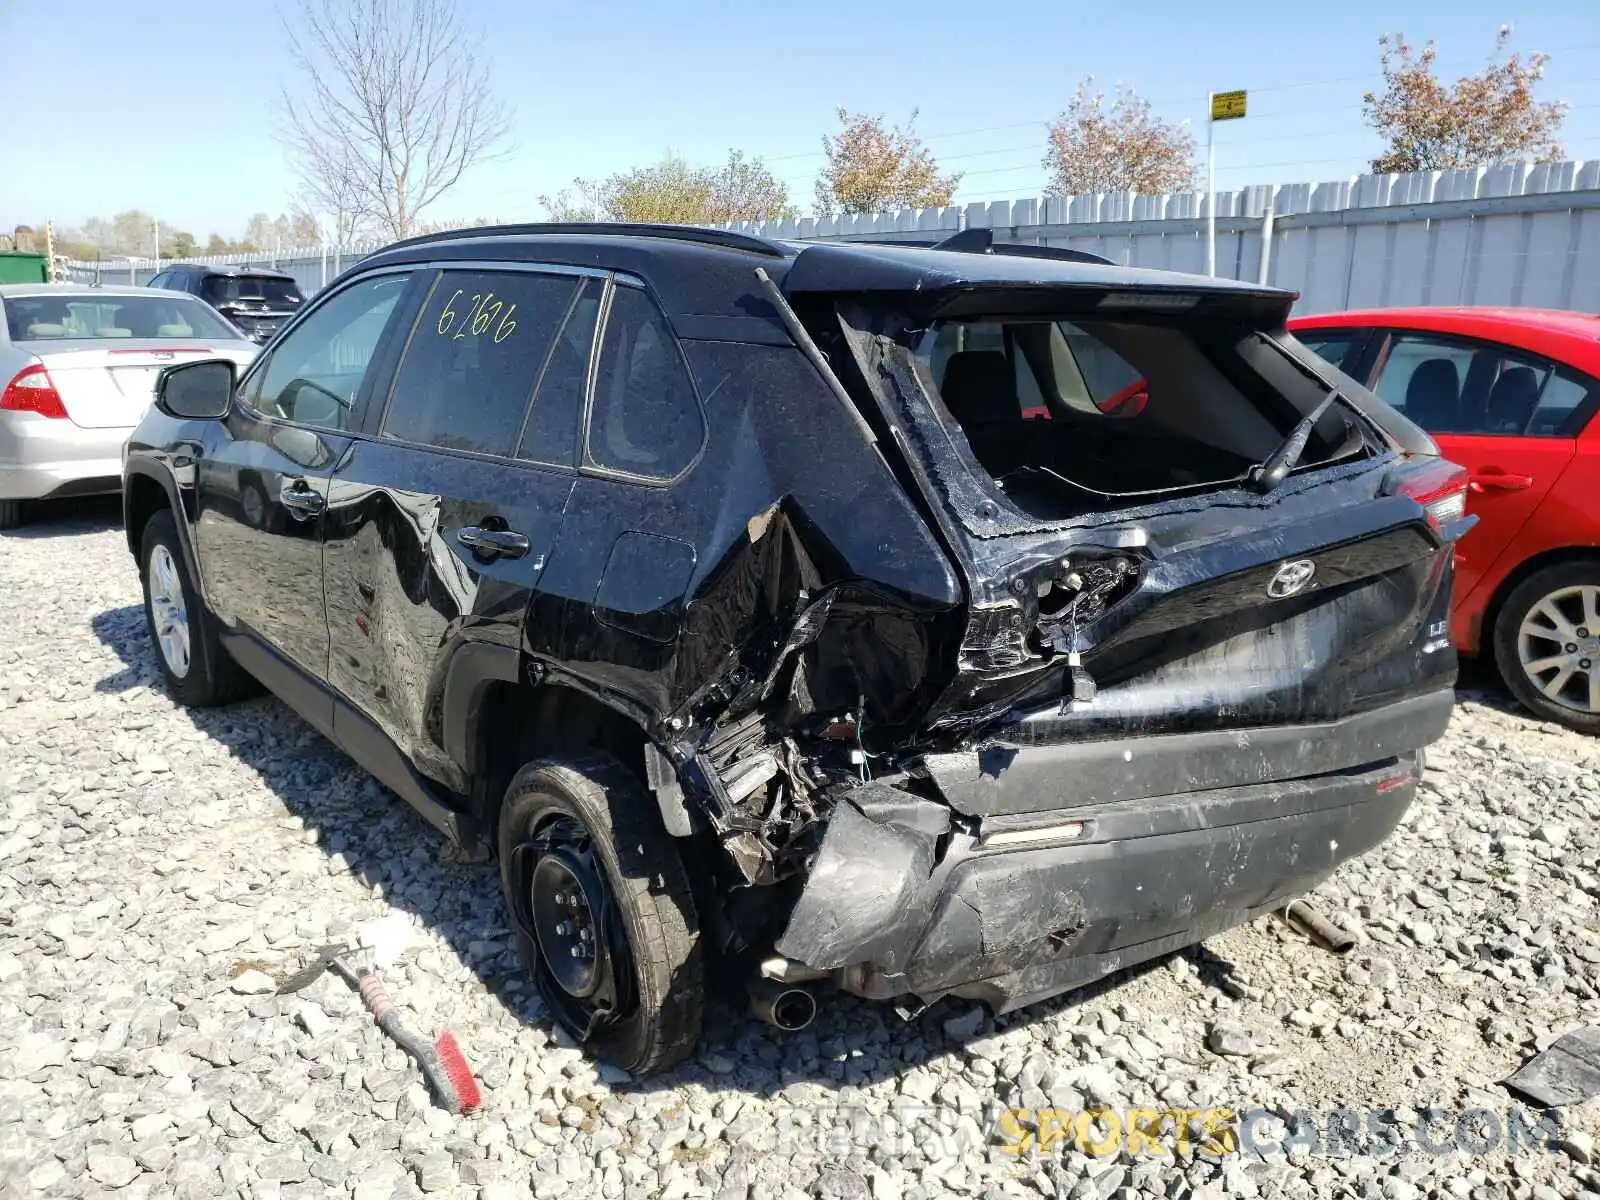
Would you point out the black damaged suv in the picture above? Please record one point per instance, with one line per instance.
(962, 620)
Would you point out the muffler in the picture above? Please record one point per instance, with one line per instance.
(1302, 917)
(785, 1006)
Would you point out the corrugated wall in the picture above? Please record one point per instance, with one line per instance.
(1518, 234)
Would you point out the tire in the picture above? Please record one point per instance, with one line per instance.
(10, 514)
(653, 944)
(1571, 592)
(205, 675)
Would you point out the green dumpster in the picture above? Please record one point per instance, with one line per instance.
(17, 267)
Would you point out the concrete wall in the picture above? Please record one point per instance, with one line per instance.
(1518, 234)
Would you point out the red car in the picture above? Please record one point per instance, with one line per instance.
(1510, 394)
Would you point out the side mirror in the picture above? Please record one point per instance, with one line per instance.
(197, 390)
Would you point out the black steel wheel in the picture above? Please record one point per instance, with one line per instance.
(599, 895)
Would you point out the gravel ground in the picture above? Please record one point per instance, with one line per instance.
(154, 863)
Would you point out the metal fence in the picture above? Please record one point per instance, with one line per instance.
(1516, 234)
(313, 267)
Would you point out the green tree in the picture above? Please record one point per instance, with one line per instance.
(180, 244)
(672, 191)
(872, 168)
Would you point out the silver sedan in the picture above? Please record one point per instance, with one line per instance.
(77, 369)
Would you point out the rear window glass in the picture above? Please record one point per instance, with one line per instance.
(107, 317)
(258, 289)
(1075, 414)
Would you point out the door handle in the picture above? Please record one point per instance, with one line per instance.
(1499, 481)
(493, 543)
(298, 498)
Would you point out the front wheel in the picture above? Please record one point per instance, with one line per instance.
(603, 906)
(1547, 644)
(197, 670)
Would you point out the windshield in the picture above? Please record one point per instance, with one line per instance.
(251, 289)
(96, 317)
(1070, 414)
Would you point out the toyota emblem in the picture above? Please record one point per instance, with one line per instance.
(1292, 577)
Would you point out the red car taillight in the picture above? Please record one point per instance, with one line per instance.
(1439, 486)
(31, 390)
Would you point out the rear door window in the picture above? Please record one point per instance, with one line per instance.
(475, 357)
(550, 430)
(646, 418)
(1454, 385)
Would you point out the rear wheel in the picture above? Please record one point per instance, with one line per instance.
(10, 514)
(603, 905)
(197, 670)
(1547, 644)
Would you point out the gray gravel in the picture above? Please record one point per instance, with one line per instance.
(156, 864)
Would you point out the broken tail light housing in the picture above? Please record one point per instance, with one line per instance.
(32, 390)
(1438, 485)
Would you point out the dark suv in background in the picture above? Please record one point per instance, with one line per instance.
(256, 299)
(922, 621)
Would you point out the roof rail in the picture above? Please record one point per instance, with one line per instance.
(727, 238)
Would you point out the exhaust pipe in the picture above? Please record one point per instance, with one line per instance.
(1302, 917)
(782, 1005)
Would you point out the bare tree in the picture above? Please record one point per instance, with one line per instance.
(588, 204)
(392, 108)
(1484, 118)
(332, 182)
(872, 168)
(1120, 147)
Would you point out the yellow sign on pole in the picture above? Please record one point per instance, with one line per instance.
(1227, 106)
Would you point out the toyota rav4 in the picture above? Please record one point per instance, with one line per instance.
(963, 620)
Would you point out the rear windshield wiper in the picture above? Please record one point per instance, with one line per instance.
(1273, 469)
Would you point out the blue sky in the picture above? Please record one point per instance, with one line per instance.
(167, 107)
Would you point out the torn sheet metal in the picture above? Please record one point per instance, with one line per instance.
(1567, 1073)
(861, 901)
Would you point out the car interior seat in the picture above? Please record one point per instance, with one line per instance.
(1512, 400)
(980, 388)
(1433, 396)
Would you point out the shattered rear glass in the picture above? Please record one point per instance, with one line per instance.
(1070, 415)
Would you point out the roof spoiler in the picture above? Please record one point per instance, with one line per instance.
(981, 241)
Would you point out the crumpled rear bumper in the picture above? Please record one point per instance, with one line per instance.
(1012, 909)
